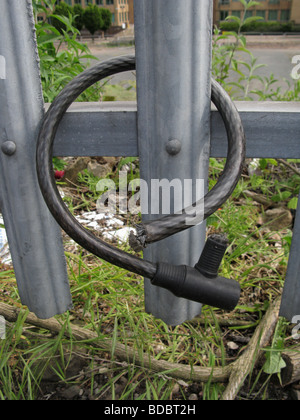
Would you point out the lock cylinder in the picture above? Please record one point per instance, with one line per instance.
(188, 283)
(201, 283)
(212, 256)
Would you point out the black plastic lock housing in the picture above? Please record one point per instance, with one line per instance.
(202, 283)
(212, 256)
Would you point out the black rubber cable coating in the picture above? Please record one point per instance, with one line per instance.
(155, 230)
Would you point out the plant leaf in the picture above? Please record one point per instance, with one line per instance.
(274, 363)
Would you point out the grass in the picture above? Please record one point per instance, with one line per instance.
(110, 301)
(124, 91)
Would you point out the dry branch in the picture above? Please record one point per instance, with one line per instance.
(259, 198)
(291, 373)
(236, 372)
(245, 364)
(288, 165)
(122, 352)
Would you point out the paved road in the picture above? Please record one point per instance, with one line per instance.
(105, 53)
(277, 61)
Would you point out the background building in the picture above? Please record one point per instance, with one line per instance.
(122, 10)
(269, 10)
(295, 11)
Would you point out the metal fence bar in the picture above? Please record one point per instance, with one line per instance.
(290, 304)
(173, 62)
(110, 129)
(34, 237)
(173, 50)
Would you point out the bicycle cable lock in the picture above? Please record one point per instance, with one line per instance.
(200, 283)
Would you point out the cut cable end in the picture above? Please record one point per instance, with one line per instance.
(138, 241)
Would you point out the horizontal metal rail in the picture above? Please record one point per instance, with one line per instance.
(272, 131)
(110, 129)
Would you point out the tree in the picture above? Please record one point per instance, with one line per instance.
(106, 19)
(63, 9)
(92, 19)
(78, 16)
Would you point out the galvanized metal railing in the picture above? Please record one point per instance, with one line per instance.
(34, 237)
(173, 54)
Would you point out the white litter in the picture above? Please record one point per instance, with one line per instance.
(91, 219)
(5, 256)
(61, 192)
(253, 166)
(108, 225)
(122, 235)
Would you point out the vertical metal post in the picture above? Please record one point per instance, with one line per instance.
(173, 51)
(34, 237)
(290, 305)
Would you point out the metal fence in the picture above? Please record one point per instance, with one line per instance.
(173, 55)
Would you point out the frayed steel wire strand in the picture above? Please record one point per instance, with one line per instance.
(156, 230)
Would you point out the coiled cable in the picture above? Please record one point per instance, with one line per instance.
(152, 231)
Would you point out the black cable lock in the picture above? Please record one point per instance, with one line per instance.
(202, 281)
(197, 284)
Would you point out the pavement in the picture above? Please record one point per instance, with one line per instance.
(104, 52)
(274, 52)
(273, 41)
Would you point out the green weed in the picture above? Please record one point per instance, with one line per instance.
(110, 301)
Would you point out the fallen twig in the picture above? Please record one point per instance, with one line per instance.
(224, 322)
(241, 368)
(259, 198)
(122, 352)
(236, 372)
(291, 373)
(288, 165)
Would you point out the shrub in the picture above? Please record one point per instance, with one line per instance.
(229, 26)
(58, 66)
(78, 14)
(106, 19)
(92, 19)
(62, 9)
(259, 26)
